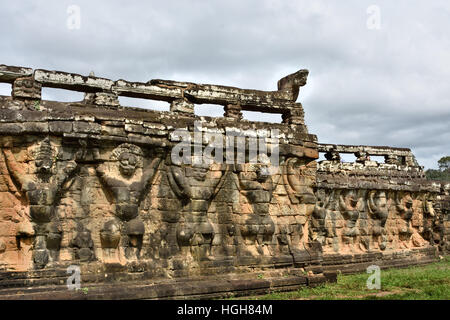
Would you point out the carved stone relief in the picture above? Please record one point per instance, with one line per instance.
(41, 184)
(195, 186)
(126, 177)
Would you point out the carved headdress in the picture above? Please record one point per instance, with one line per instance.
(131, 149)
(44, 156)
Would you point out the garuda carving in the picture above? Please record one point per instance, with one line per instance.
(378, 208)
(192, 185)
(351, 205)
(322, 210)
(42, 185)
(404, 204)
(298, 185)
(255, 182)
(126, 178)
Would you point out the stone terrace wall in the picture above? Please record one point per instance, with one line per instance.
(384, 208)
(93, 183)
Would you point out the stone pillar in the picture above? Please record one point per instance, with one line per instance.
(333, 155)
(295, 116)
(106, 99)
(182, 106)
(233, 111)
(391, 159)
(26, 88)
(362, 156)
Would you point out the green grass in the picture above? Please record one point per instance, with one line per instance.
(429, 282)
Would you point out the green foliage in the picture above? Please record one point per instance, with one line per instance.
(443, 173)
(85, 290)
(37, 105)
(438, 175)
(444, 163)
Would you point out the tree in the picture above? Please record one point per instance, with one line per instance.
(444, 163)
(443, 173)
(438, 175)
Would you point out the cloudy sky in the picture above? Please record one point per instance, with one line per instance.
(379, 70)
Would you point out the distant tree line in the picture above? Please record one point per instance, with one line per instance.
(441, 174)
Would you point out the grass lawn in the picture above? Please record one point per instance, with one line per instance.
(430, 282)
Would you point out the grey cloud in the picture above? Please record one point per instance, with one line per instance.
(379, 87)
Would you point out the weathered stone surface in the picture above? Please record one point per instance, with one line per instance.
(64, 80)
(106, 99)
(60, 126)
(11, 73)
(27, 88)
(183, 106)
(95, 184)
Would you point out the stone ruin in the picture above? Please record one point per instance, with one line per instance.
(93, 184)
